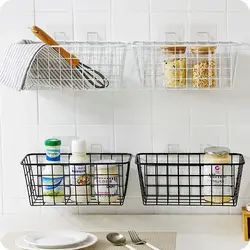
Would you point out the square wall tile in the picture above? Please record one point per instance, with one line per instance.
(208, 115)
(133, 183)
(210, 135)
(134, 205)
(98, 22)
(163, 135)
(168, 5)
(240, 139)
(19, 29)
(94, 108)
(245, 184)
(173, 210)
(211, 5)
(237, 114)
(17, 7)
(26, 141)
(65, 133)
(212, 22)
(55, 5)
(59, 25)
(97, 135)
(23, 111)
(136, 27)
(19, 206)
(19, 189)
(236, 5)
(161, 23)
(130, 5)
(56, 107)
(167, 111)
(93, 5)
(210, 210)
(98, 210)
(237, 22)
(132, 108)
(133, 138)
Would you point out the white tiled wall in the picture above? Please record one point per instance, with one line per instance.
(130, 120)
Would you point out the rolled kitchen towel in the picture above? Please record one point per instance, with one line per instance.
(34, 65)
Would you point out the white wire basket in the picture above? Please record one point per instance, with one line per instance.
(103, 66)
(186, 65)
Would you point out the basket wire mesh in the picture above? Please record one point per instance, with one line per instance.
(180, 180)
(94, 188)
(185, 68)
(50, 70)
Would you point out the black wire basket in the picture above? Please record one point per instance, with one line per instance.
(185, 180)
(102, 181)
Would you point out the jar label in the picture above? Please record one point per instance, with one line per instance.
(52, 154)
(217, 180)
(79, 176)
(53, 186)
(106, 186)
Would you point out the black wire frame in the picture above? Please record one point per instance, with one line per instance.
(177, 179)
(114, 184)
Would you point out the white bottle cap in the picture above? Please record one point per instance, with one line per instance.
(78, 146)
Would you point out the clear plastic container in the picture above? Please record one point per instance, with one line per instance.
(204, 68)
(175, 68)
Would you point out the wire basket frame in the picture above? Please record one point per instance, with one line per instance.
(180, 180)
(103, 184)
(50, 70)
(183, 68)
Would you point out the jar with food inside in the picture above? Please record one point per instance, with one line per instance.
(175, 72)
(204, 69)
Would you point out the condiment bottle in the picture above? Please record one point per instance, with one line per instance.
(53, 175)
(204, 67)
(80, 185)
(217, 180)
(106, 181)
(175, 68)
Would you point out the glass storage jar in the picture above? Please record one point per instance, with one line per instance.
(217, 177)
(204, 69)
(175, 72)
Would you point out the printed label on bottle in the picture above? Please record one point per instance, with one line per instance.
(106, 187)
(217, 182)
(52, 154)
(53, 186)
(79, 175)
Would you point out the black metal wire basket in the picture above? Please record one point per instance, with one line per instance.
(102, 181)
(185, 180)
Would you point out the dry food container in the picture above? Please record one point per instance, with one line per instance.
(217, 176)
(204, 69)
(175, 70)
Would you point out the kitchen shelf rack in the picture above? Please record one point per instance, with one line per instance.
(101, 189)
(104, 60)
(186, 65)
(178, 179)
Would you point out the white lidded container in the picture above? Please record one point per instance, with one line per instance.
(53, 173)
(106, 181)
(80, 185)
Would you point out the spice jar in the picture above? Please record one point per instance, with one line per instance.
(175, 72)
(217, 179)
(204, 70)
(106, 181)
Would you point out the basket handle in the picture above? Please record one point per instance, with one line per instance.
(43, 36)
